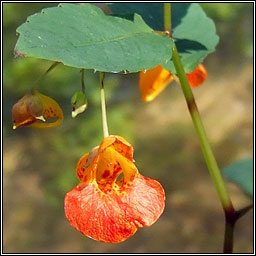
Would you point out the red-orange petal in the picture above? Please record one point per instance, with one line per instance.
(146, 198)
(153, 81)
(108, 210)
(114, 217)
(197, 76)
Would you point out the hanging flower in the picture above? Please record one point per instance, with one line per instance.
(153, 81)
(34, 108)
(106, 208)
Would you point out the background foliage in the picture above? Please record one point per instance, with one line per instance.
(39, 166)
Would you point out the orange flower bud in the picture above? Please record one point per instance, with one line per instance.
(105, 208)
(36, 107)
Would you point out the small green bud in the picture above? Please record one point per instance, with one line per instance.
(79, 103)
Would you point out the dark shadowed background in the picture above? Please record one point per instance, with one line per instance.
(39, 165)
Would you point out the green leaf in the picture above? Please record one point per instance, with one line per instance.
(241, 173)
(82, 36)
(193, 31)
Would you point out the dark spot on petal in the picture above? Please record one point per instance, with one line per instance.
(105, 174)
(80, 175)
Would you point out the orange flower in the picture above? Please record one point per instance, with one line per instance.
(153, 81)
(36, 107)
(106, 208)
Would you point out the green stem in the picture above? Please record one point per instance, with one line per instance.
(206, 148)
(193, 110)
(167, 18)
(103, 106)
(83, 85)
(44, 74)
(207, 151)
(212, 165)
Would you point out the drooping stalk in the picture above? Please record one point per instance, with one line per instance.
(82, 80)
(230, 214)
(103, 106)
(44, 74)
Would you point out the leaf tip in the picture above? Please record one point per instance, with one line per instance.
(18, 54)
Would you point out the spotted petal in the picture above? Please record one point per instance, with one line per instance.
(34, 108)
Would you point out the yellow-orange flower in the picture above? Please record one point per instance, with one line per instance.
(34, 108)
(153, 81)
(106, 208)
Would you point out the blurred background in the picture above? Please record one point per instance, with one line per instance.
(39, 165)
